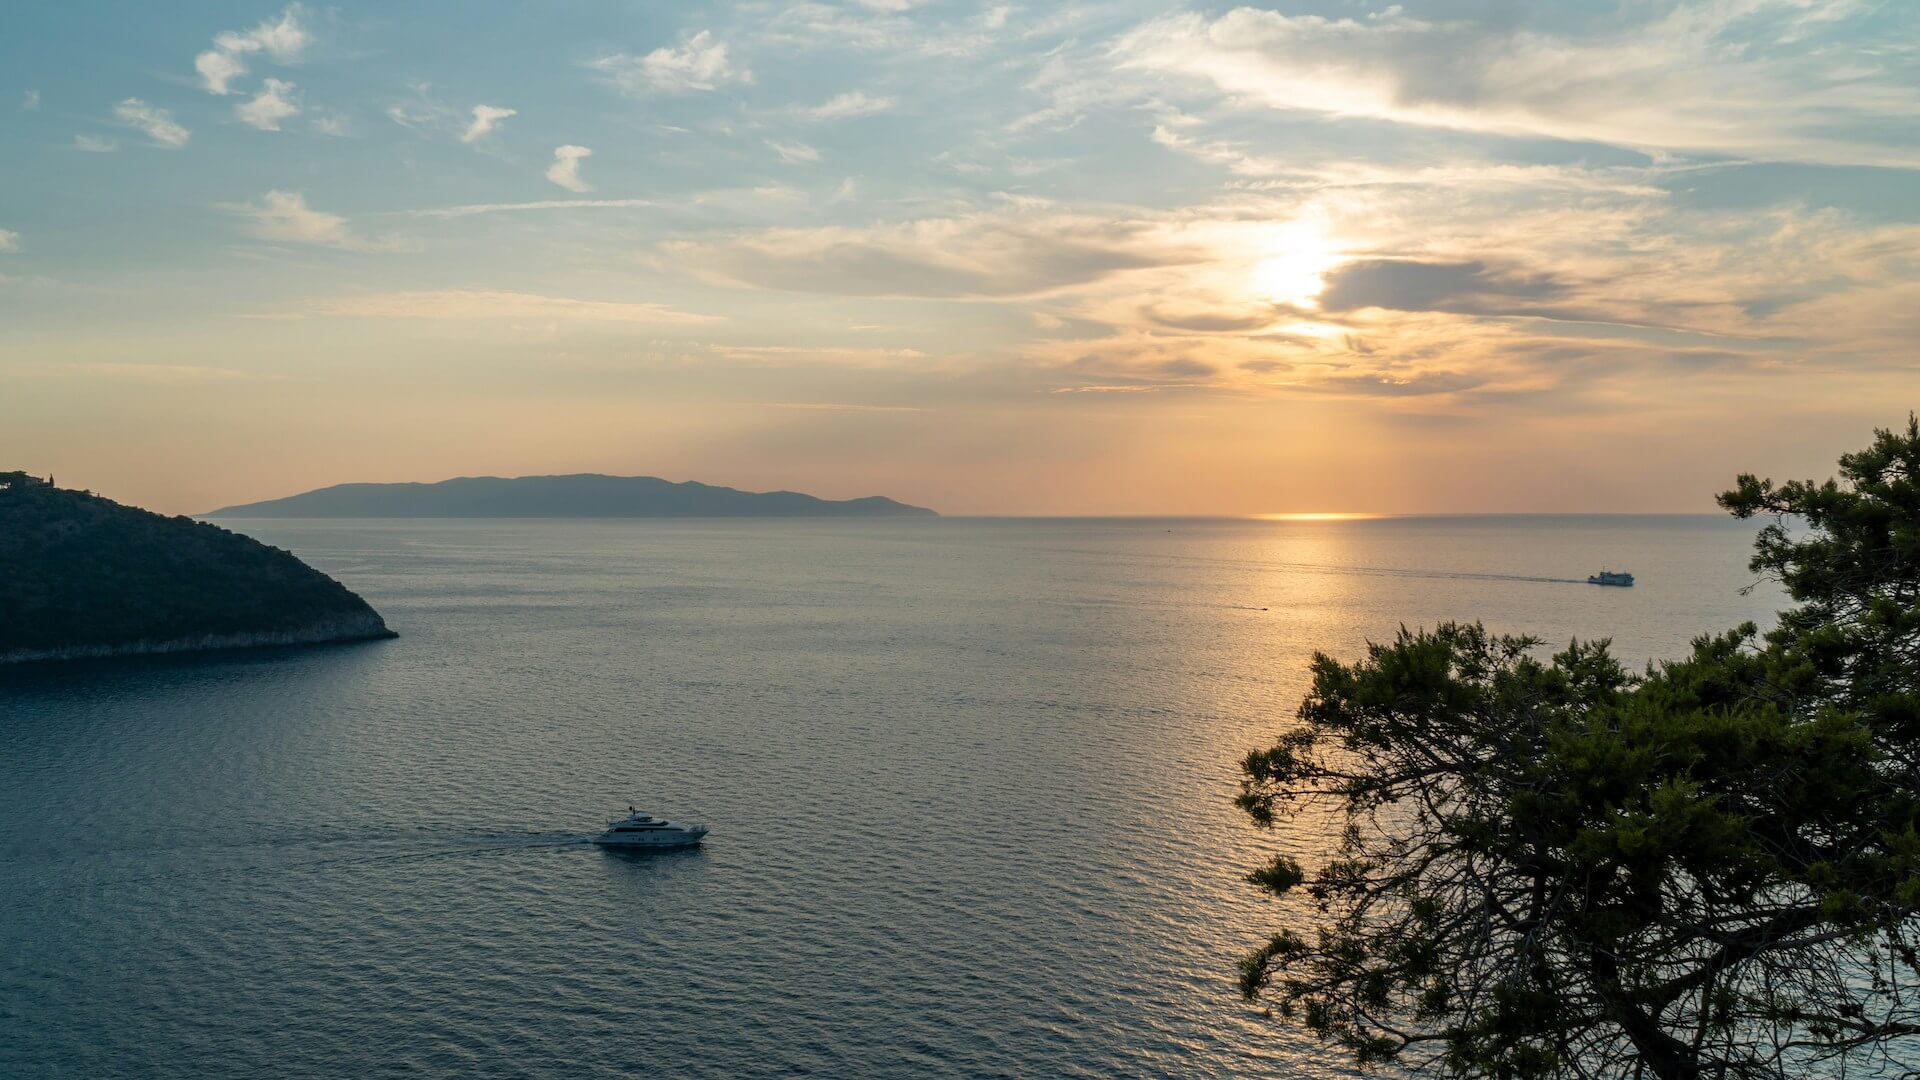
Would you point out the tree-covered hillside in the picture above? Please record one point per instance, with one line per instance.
(82, 575)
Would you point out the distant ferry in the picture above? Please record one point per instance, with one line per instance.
(1608, 577)
(638, 830)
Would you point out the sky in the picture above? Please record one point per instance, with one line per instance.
(994, 258)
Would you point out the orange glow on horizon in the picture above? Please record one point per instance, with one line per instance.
(1328, 515)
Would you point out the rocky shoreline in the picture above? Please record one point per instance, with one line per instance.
(335, 630)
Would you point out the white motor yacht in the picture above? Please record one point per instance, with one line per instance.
(638, 830)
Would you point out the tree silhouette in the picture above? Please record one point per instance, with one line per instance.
(1548, 867)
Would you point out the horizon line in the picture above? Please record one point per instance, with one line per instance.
(1273, 519)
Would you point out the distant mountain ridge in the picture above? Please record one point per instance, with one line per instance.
(579, 495)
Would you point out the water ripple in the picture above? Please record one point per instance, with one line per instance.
(970, 787)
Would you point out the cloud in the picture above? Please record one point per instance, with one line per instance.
(473, 209)
(30, 101)
(422, 111)
(756, 202)
(217, 70)
(9, 241)
(794, 153)
(415, 115)
(1145, 361)
(854, 357)
(1736, 76)
(329, 123)
(1021, 251)
(854, 103)
(275, 102)
(893, 26)
(283, 39)
(468, 304)
(1418, 384)
(90, 144)
(1553, 294)
(852, 352)
(485, 119)
(1467, 288)
(1155, 358)
(834, 406)
(700, 63)
(157, 123)
(565, 169)
(1211, 319)
(1466, 283)
(285, 215)
(1220, 152)
(143, 372)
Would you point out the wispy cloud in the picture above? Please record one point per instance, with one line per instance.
(853, 103)
(485, 119)
(472, 209)
(156, 122)
(330, 123)
(93, 145)
(275, 102)
(9, 241)
(698, 63)
(283, 39)
(793, 153)
(285, 216)
(140, 372)
(471, 304)
(30, 101)
(422, 111)
(851, 356)
(834, 406)
(1011, 252)
(1124, 388)
(1732, 77)
(565, 169)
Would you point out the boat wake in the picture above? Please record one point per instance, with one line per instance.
(269, 858)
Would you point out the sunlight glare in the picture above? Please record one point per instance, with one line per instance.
(1300, 253)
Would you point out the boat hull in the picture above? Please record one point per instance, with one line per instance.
(674, 839)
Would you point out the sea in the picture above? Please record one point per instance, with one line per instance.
(969, 782)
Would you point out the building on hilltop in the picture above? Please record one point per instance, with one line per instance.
(23, 479)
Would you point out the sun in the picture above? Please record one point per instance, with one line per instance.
(1298, 256)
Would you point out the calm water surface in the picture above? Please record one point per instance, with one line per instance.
(969, 785)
